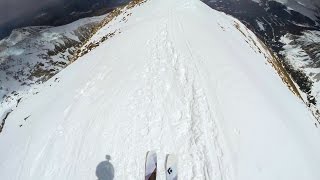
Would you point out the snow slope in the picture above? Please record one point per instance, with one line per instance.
(179, 78)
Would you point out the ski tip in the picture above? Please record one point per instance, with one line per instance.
(171, 159)
(151, 155)
(151, 165)
(151, 152)
(171, 167)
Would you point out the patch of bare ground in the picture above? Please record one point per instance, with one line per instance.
(4, 120)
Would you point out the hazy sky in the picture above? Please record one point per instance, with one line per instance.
(11, 9)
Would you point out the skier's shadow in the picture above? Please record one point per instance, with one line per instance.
(105, 170)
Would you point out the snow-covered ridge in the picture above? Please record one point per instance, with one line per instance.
(31, 55)
(178, 78)
(271, 21)
(258, 46)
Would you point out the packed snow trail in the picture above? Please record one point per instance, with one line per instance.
(179, 79)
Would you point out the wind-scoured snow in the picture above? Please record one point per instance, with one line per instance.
(178, 78)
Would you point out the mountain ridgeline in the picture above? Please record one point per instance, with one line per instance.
(272, 22)
(62, 13)
(173, 76)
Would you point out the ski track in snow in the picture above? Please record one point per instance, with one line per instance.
(190, 119)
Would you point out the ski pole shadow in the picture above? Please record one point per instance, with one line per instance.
(105, 170)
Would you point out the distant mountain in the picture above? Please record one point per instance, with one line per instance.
(291, 29)
(309, 8)
(32, 55)
(62, 13)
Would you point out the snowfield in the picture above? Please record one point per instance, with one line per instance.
(178, 78)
